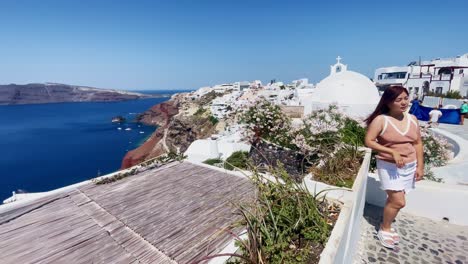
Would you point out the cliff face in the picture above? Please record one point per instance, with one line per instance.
(40, 93)
(160, 114)
(176, 132)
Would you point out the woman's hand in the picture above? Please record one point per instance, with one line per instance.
(418, 175)
(398, 159)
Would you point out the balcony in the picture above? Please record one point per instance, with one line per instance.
(442, 77)
(389, 81)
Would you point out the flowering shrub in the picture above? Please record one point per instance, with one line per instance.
(319, 133)
(266, 120)
(436, 148)
(327, 139)
(330, 140)
(437, 152)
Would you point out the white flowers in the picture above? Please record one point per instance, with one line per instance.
(437, 151)
(267, 121)
(318, 135)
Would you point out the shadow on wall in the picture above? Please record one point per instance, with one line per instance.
(375, 195)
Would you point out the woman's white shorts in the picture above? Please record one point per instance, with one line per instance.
(394, 178)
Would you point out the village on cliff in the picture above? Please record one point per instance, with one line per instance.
(248, 172)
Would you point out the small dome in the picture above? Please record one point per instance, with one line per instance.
(347, 87)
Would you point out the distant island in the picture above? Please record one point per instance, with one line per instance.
(42, 93)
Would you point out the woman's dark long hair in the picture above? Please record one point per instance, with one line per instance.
(389, 95)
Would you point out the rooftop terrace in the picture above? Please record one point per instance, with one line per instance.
(174, 214)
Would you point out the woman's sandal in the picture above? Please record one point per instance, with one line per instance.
(386, 239)
(396, 237)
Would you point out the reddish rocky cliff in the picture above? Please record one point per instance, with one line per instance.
(159, 115)
(175, 132)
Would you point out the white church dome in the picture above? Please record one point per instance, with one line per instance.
(345, 88)
(354, 93)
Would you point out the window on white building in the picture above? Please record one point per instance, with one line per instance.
(394, 75)
(445, 71)
(439, 90)
(460, 71)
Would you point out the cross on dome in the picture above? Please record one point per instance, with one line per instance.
(338, 67)
(338, 59)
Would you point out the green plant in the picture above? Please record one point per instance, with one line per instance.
(448, 94)
(200, 111)
(353, 133)
(238, 159)
(213, 161)
(214, 120)
(285, 223)
(453, 94)
(341, 170)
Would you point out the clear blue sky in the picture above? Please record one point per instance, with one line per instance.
(187, 44)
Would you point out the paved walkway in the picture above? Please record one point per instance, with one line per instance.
(458, 130)
(422, 240)
(455, 171)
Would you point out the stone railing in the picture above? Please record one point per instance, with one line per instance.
(342, 243)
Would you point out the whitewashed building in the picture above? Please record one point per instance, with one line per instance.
(220, 148)
(224, 105)
(437, 75)
(200, 92)
(257, 84)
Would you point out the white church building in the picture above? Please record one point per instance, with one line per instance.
(353, 92)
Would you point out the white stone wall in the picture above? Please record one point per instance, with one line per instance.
(342, 244)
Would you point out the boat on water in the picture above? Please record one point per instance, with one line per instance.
(118, 119)
(128, 129)
(119, 128)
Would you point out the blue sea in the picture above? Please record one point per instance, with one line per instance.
(48, 146)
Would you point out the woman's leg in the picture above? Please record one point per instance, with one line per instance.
(395, 201)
